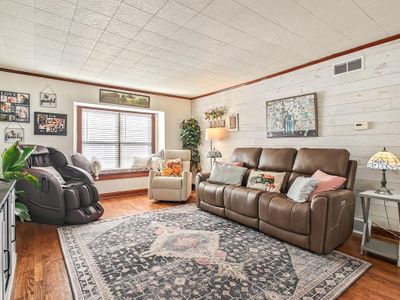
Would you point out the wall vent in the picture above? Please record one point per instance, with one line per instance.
(348, 66)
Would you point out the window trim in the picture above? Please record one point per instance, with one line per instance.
(79, 109)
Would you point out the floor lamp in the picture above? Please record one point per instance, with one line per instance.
(214, 134)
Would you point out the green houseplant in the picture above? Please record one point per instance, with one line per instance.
(13, 162)
(191, 139)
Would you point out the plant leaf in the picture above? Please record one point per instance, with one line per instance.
(20, 208)
(11, 156)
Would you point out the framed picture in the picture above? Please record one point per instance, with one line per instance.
(14, 107)
(121, 98)
(50, 124)
(48, 100)
(233, 122)
(292, 117)
(12, 135)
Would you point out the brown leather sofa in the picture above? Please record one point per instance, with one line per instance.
(319, 225)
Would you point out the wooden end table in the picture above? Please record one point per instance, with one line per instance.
(368, 244)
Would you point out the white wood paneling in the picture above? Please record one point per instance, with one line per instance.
(372, 95)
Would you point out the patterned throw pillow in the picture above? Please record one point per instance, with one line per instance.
(171, 167)
(266, 181)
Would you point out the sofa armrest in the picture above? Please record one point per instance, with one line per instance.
(186, 184)
(199, 178)
(152, 174)
(332, 218)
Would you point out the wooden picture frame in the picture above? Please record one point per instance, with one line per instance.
(50, 124)
(13, 135)
(123, 98)
(233, 122)
(295, 116)
(14, 107)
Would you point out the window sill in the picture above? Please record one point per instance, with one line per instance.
(112, 176)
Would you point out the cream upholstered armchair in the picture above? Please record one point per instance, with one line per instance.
(172, 188)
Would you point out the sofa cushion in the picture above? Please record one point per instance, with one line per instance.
(242, 200)
(278, 210)
(277, 159)
(327, 182)
(250, 156)
(211, 193)
(301, 189)
(167, 182)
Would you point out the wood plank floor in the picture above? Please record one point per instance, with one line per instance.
(41, 272)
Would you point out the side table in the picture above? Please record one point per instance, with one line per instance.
(368, 244)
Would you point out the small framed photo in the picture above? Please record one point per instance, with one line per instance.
(12, 135)
(48, 100)
(233, 122)
(50, 124)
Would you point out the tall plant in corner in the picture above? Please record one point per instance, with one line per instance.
(191, 139)
(13, 163)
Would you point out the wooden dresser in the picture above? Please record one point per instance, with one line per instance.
(7, 238)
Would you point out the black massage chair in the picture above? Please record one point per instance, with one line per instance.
(72, 198)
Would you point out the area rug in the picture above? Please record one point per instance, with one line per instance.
(186, 253)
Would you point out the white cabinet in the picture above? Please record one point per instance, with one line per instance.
(7, 238)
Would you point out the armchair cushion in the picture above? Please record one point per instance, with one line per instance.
(171, 167)
(167, 182)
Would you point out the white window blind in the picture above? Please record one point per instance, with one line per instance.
(116, 137)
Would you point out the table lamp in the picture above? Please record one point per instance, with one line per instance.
(384, 160)
(214, 134)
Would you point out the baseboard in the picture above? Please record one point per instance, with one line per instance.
(126, 193)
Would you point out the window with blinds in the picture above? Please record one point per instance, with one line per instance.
(115, 137)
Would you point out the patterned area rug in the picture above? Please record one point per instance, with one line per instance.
(186, 253)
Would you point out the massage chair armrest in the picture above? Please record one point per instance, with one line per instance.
(332, 217)
(50, 187)
(72, 173)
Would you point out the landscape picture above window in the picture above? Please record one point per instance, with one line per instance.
(114, 136)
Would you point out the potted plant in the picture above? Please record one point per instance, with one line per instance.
(191, 139)
(13, 163)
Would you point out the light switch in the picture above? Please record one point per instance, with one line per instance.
(361, 126)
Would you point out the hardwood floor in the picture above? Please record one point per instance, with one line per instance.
(41, 272)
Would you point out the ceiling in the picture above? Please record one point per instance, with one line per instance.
(183, 47)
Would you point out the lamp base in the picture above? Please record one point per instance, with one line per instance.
(383, 191)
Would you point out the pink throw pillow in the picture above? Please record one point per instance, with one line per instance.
(326, 182)
(235, 163)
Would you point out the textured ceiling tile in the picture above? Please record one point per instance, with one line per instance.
(102, 56)
(91, 18)
(51, 44)
(26, 2)
(132, 15)
(45, 18)
(222, 10)
(15, 23)
(59, 8)
(17, 10)
(73, 49)
(48, 51)
(94, 69)
(114, 40)
(85, 31)
(108, 49)
(95, 62)
(130, 55)
(78, 59)
(176, 13)
(197, 5)
(117, 67)
(161, 26)
(139, 47)
(80, 41)
(105, 7)
(150, 38)
(50, 33)
(122, 29)
(150, 6)
(124, 62)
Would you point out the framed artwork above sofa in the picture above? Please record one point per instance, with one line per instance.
(295, 116)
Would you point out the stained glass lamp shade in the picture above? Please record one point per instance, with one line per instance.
(384, 160)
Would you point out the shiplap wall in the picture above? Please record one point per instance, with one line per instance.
(371, 95)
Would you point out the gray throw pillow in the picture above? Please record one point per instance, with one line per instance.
(301, 189)
(227, 174)
(80, 161)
